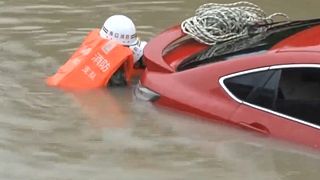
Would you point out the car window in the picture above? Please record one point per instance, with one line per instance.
(254, 44)
(244, 85)
(294, 92)
(299, 94)
(266, 94)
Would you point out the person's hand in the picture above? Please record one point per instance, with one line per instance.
(137, 50)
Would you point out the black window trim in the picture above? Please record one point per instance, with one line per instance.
(275, 67)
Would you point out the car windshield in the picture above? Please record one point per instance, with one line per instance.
(254, 44)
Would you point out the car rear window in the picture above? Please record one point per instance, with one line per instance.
(254, 44)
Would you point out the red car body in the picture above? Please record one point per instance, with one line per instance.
(182, 74)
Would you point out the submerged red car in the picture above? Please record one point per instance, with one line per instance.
(269, 82)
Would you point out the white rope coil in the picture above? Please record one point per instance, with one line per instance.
(214, 23)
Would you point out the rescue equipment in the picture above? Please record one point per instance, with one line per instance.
(124, 33)
(93, 64)
(119, 28)
(214, 23)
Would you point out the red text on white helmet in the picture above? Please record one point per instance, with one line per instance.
(119, 28)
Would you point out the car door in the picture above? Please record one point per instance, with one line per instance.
(282, 101)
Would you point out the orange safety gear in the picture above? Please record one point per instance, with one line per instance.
(93, 64)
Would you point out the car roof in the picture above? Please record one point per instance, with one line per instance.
(296, 36)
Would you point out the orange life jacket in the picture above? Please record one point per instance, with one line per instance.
(93, 64)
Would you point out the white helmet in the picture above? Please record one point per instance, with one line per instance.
(119, 28)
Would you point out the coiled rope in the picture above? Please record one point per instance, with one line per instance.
(214, 23)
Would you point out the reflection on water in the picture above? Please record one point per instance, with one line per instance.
(108, 134)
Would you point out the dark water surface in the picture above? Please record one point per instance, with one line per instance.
(108, 134)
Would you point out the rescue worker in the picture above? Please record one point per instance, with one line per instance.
(122, 29)
(107, 56)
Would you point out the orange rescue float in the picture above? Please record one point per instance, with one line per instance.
(93, 64)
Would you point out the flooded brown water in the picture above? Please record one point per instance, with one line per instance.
(48, 134)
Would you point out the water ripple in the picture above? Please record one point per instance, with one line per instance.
(9, 20)
(46, 7)
(142, 3)
(137, 7)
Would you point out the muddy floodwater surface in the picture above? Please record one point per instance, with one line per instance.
(46, 133)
